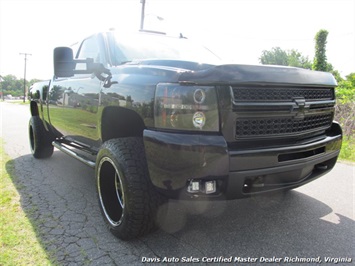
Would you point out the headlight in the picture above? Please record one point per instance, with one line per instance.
(186, 107)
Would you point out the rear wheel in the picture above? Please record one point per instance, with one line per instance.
(128, 200)
(40, 139)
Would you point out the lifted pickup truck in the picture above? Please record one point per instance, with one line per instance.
(160, 117)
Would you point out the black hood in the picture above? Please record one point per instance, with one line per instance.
(258, 74)
(178, 64)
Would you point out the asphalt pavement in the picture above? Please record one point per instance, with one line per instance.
(314, 223)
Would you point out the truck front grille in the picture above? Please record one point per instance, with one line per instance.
(274, 112)
(281, 126)
(246, 94)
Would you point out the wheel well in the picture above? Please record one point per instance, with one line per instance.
(118, 122)
(34, 108)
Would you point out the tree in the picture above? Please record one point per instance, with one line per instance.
(13, 86)
(296, 59)
(335, 72)
(277, 56)
(320, 58)
(346, 89)
(345, 108)
(351, 79)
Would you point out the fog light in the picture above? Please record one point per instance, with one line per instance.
(193, 187)
(210, 187)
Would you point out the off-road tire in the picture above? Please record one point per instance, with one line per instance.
(128, 200)
(40, 139)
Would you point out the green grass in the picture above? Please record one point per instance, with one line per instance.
(18, 101)
(18, 242)
(348, 149)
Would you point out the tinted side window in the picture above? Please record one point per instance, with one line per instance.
(90, 49)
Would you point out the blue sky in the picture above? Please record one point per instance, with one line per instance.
(237, 30)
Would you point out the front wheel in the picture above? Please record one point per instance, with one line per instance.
(40, 139)
(127, 198)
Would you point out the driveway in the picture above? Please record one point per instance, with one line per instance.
(314, 222)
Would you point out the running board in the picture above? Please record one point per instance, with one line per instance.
(73, 154)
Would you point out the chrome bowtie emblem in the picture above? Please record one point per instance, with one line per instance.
(299, 108)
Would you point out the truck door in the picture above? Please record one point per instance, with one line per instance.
(75, 100)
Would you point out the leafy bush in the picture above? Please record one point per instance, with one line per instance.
(348, 149)
(345, 114)
(345, 108)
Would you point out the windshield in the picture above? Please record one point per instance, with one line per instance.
(142, 46)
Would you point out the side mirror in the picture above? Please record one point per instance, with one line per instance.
(64, 65)
(63, 62)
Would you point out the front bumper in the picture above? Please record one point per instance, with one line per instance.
(175, 160)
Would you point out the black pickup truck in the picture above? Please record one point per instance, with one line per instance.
(161, 117)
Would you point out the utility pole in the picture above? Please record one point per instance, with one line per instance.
(2, 89)
(24, 79)
(142, 14)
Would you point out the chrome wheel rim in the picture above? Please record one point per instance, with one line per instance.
(111, 192)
